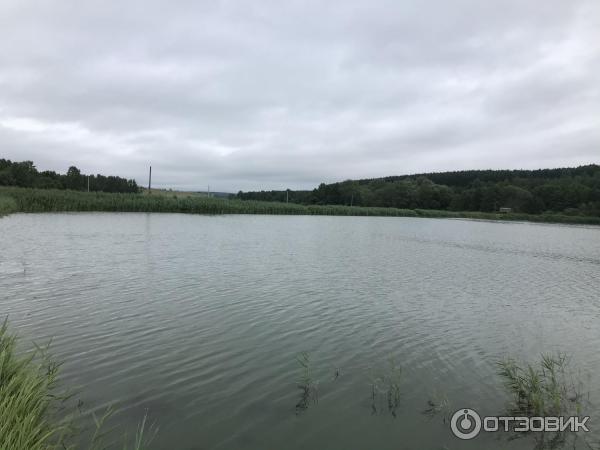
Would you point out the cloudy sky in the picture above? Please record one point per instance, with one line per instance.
(276, 94)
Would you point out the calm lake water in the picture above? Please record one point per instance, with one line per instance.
(198, 320)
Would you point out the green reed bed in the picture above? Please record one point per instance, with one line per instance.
(38, 200)
(49, 200)
(35, 412)
(7, 205)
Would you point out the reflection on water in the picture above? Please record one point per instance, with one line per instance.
(199, 320)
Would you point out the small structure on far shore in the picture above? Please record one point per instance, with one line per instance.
(505, 210)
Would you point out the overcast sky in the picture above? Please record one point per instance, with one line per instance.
(277, 94)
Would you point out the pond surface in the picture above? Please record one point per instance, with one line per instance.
(198, 320)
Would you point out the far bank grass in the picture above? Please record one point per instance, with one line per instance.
(7, 205)
(49, 200)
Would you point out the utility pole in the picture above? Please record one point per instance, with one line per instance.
(88, 183)
(150, 181)
(208, 191)
(287, 195)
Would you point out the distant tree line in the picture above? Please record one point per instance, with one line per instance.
(573, 191)
(25, 174)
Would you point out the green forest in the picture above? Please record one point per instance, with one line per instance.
(25, 174)
(570, 191)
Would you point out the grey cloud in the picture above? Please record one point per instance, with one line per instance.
(269, 94)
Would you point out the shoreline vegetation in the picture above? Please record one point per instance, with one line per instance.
(36, 412)
(32, 200)
(562, 195)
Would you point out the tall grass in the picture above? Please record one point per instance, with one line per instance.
(546, 388)
(34, 411)
(38, 200)
(49, 200)
(28, 399)
(7, 205)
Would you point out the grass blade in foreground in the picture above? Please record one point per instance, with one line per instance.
(33, 410)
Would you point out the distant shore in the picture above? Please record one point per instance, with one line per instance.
(28, 200)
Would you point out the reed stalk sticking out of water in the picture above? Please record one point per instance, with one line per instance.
(385, 388)
(543, 389)
(34, 411)
(547, 388)
(309, 392)
(439, 405)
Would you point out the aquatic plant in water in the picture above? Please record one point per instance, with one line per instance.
(385, 389)
(543, 389)
(309, 393)
(547, 388)
(438, 405)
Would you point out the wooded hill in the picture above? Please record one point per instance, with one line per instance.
(574, 191)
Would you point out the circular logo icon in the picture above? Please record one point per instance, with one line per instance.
(465, 423)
